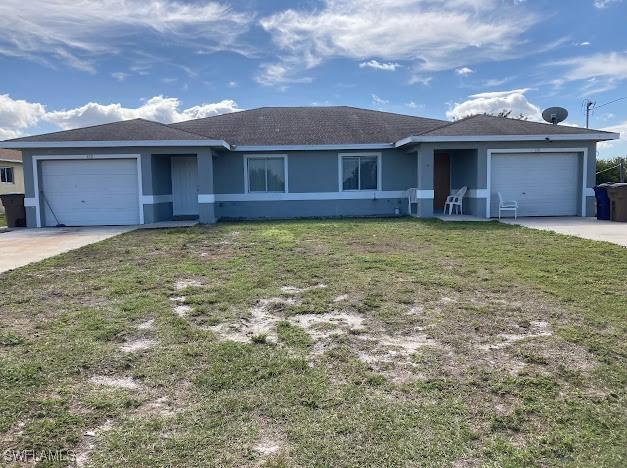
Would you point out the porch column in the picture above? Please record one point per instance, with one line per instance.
(425, 181)
(206, 197)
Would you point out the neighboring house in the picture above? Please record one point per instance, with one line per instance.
(11, 174)
(283, 162)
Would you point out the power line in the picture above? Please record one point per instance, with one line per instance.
(590, 106)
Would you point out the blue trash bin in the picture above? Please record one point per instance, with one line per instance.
(603, 201)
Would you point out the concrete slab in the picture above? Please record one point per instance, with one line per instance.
(19, 247)
(586, 228)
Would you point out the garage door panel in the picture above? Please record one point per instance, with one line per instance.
(90, 192)
(544, 184)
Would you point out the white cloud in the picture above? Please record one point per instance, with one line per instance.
(18, 116)
(434, 34)
(599, 72)
(464, 71)
(75, 32)
(158, 108)
(391, 66)
(377, 101)
(495, 102)
(419, 79)
(232, 84)
(584, 43)
(619, 128)
(279, 74)
(604, 3)
(120, 76)
(610, 65)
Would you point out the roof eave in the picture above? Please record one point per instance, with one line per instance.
(114, 144)
(413, 139)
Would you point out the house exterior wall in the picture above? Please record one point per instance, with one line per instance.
(313, 181)
(18, 177)
(472, 171)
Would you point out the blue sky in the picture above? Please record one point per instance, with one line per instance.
(66, 64)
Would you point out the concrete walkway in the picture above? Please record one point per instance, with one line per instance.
(20, 247)
(587, 228)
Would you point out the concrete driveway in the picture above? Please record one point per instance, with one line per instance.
(23, 246)
(587, 228)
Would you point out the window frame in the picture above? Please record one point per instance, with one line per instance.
(340, 175)
(4, 170)
(248, 157)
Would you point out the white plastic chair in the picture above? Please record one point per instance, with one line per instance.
(456, 201)
(504, 205)
(412, 197)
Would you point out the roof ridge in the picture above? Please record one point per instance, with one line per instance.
(448, 124)
(307, 107)
(171, 127)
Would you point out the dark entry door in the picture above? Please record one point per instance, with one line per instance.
(441, 180)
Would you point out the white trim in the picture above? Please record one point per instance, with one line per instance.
(584, 176)
(47, 157)
(307, 196)
(340, 178)
(155, 199)
(589, 192)
(30, 201)
(265, 156)
(206, 198)
(11, 161)
(356, 146)
(492, 138)
(114, 144)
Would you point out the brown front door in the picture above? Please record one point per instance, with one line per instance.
(441, 180)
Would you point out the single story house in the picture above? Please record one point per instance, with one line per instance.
(288, 162)
(11, 175)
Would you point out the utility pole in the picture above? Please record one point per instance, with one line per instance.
(589, 105)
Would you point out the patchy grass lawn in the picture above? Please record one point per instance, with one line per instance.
(345, 343)
(3, 219)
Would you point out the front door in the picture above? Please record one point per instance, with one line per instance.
(441, 180)
(184, 186)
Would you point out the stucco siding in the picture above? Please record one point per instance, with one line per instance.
(310, 208)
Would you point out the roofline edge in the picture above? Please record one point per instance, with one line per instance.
(563, 137)
(112, 144)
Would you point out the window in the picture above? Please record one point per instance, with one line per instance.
(266, 174)
(6, 175)
(360, 172)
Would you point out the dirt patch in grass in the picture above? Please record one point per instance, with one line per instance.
(135, 346)
(126, 383)
(431, 344)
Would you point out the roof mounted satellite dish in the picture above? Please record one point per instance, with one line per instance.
(555, 115)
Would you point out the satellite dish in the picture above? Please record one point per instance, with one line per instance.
(555, 115)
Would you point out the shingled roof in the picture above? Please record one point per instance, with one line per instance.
(126, 130)
(285, 126)
(309, 126)
(491, 125)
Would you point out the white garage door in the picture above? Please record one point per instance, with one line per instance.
(90, 192)
(544, 184)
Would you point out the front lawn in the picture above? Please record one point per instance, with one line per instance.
(330, 343)
(3, 219)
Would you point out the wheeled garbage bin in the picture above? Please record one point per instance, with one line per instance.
(14, 209)
(618, 202)
(603, 201)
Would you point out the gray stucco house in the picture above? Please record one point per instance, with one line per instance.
(284, 162)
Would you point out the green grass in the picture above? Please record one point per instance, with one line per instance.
(321, 392)
(3, 219)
